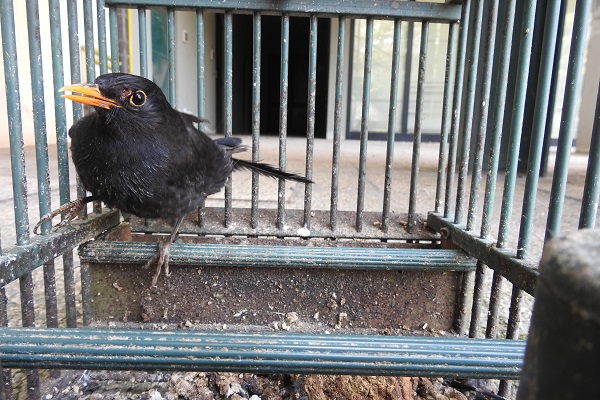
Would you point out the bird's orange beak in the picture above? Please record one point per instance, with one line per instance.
(89, 95)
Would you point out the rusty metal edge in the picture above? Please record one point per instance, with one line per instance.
(16, 261)
(522, 273)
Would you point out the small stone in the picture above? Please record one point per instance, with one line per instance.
(291, 317)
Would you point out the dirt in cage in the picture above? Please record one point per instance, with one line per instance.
(120, 385)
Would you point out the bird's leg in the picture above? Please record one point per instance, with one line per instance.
(73, 207)
(162, 256)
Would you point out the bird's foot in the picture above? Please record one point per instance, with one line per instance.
(162, 260)
(73, 207)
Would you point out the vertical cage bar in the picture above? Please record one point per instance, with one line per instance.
(171, 54)
(28, 318)
(512, 330)
(143, 38)
(102, 50)
(59, 103)
(228, 106)
(69, 274)
(6, 384)
(391, 134)
(539, 124)
(484, 99)
(15, 124)
(556, 70)
(468, 278)
(41, 150)
(516, 126)
(39, 114)
(74, 57)
(50, 295)
(256, 68)
(591, 190)
(565, 138)
(477, 297)
(414, 171)
(499, 102)
(115, 64)
(86, 294)
(364, 125)
(90, 62)
(449, 76)
(467, 111)
(88, 29)
(456, 106)
(310, 119)
(494, 307)
(200, 62)
(283, 115)
(200, 88)
(337, 123)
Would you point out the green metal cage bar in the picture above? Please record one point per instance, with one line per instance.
(264, 352)
(364, 124)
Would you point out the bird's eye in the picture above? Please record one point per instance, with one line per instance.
(138, 99)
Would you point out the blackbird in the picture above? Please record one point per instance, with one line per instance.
(139, 155)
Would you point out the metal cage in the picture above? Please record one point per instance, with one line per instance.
(499, 92)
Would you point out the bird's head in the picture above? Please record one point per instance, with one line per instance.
(120, 94)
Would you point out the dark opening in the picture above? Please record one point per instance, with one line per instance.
(271, 74)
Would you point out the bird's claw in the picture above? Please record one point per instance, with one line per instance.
(73, 207)
(162, 260)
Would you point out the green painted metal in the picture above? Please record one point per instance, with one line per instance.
(283, 115)
(200, 62)
(143, 38)
(449, 81)
(364, 125)
(115, 58)
(337, 122)
(483, 107)
(464, 296)
(311, 112)
(101, 28)
(270, 256)
(264, 352)
(591, 190)
(39, 112)
(256, 70)
(433, 12)
(457, 106)
(228, 105)
(554, 86)
(525, 34)
(467, 110)
(60, 113)
(88, 29)
(414, 169)
(171, 56)
(391, 132)
(565, 139)
(499, 102)
(15, 124)
(521, 272)
(17, 261)
(539, 124)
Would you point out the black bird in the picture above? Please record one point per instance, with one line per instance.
(139, 155)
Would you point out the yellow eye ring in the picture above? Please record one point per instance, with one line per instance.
(138, 98)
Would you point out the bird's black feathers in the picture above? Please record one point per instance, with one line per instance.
(145, 158)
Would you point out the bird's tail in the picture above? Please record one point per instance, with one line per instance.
(268, 170)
